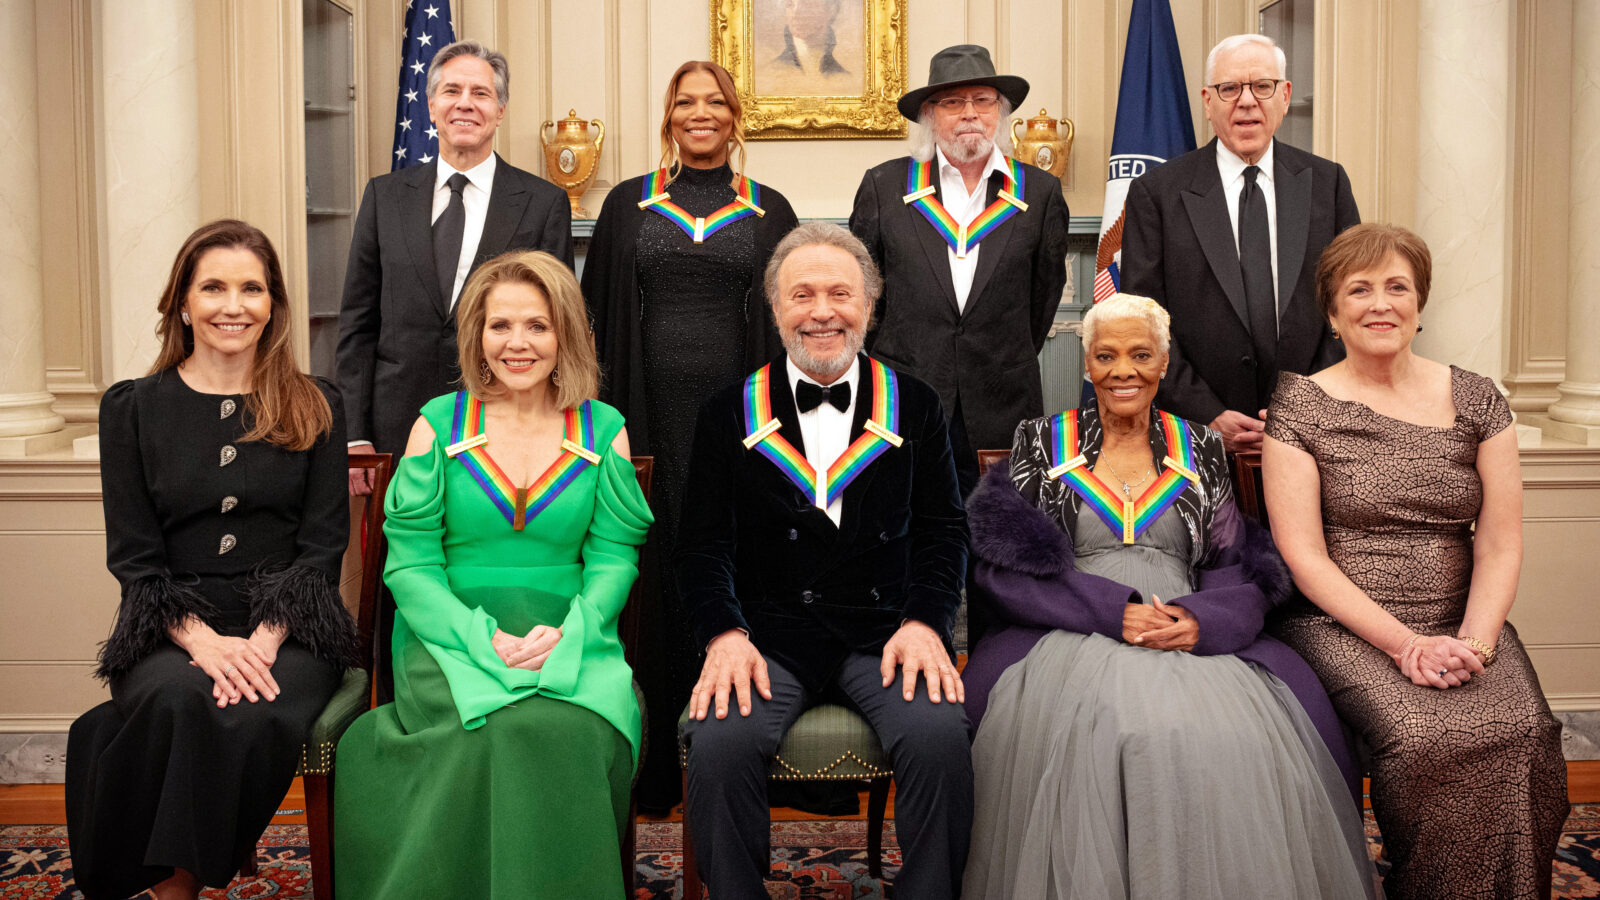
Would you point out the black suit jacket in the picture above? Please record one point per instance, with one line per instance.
(1178, 248)
(986, 354)
(397, 334)
(754, 553)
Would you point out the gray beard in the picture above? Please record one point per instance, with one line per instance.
(957, 152)
(831, 368)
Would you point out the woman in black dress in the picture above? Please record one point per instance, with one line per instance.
(223, 473)
(678, 312)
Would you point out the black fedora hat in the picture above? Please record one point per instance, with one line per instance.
(959, 66)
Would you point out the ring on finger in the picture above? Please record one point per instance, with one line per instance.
(229, 670)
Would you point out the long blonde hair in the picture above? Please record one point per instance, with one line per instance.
(669, 146)
(285, 405)
(577, 366)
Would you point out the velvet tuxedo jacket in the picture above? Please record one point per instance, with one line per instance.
(1178, 247)
(397, 333)
(983, 357)
(755, 553)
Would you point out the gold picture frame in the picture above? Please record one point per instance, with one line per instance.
(842, 83)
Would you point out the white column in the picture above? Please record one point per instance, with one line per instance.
(25, 404)
(1463, 70)
(1576, 415)
(149, 82)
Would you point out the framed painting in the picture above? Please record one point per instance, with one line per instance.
(814, 68)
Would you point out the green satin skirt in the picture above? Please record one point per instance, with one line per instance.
(530, 805)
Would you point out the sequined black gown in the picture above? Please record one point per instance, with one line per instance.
(675, 321)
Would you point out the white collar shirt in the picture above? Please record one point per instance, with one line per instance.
(1231, 168)
(964, 207)
(475, 201)
(826, 430)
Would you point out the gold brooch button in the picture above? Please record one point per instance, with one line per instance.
(228, 406)
(228, 543)
(228, 454)
(229, 503)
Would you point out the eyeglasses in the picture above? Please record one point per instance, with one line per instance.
(1263, 88)
(959, 104)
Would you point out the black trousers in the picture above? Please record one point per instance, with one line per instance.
(927, 745)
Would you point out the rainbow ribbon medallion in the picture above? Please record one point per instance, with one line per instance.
(1124, 516)
(746, 203)
(469, 444)
(823, 488)
(920, 193)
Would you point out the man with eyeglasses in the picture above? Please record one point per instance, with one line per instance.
(973, 247)
(1227, 238)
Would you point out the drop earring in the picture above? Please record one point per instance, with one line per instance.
(555, 377)
(1419, 327)
(485, 374)
(185, 317)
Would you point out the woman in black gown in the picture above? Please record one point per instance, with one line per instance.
(677, 315)
(223, 473)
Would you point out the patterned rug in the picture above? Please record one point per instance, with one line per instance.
(811, 860)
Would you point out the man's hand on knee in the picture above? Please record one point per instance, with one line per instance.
(917, 648)
(731, 662)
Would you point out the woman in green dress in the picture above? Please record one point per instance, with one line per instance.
(503, 766)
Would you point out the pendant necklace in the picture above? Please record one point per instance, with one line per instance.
(1127, 488)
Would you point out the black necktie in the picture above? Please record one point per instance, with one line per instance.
(1255, 261)
(809, 396)
(447, 231)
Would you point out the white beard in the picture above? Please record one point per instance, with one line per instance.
(960, 151)
(830, 368)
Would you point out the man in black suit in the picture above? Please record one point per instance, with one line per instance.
(419, 234)
(968, 313)
(804, 587)
(1199, 239)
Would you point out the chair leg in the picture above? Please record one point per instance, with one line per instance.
(247, 869)
(630, 839)
(877, 802)
(319, 822)
(691, 875)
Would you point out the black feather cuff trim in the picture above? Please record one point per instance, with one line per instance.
(151, 608)
(306, 602)
(1012, 533)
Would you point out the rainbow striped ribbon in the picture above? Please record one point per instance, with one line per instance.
(469, 444)
(746, 203)
(1130, 518)
(961, 238)
(879, 434)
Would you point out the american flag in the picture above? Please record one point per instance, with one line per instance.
(428, 27)
(1153, 126)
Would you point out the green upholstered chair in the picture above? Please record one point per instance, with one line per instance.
(355, 694)
(827, 743)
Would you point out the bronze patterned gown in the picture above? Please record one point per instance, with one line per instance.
(1468, 784)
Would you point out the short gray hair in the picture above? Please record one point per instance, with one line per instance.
(495, 59)
(1121, 307)
(925, 137)
(1234, 42)
(825, 234)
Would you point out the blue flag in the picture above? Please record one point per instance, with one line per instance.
(1153, 126)
(428, 28)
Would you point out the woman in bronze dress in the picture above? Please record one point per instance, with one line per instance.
(1394, 492)
(673, 282)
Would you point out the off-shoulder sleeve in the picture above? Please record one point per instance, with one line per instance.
(610, 557)
(1286, 414)
(1482, 404)
(152, 602)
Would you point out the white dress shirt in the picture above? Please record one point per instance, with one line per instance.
(1231, 168)
(964, 207)
(475, 200)
(826, 430)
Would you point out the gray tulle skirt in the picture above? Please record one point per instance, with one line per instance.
(1107, 772)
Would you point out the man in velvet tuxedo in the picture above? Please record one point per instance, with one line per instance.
(845, 597)
(420, 232)
(968, 313)
(1227, 238)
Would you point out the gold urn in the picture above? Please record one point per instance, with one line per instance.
(1044, 145)
(570, 158)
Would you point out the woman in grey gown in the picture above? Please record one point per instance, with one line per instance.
(1138, 736)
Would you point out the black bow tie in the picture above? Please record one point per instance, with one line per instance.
(809, 396)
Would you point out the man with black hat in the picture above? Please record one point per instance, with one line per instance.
(973, 248)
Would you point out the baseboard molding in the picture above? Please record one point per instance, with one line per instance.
(42, 804)
(1573, 702)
